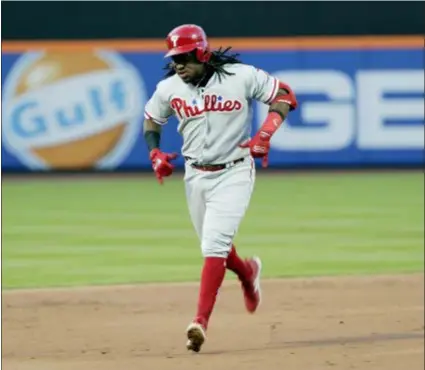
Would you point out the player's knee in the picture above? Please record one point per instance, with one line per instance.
(216, 247)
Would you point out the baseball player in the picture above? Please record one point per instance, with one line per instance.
(211, 93)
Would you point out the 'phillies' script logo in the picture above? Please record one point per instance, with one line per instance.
(212, 103)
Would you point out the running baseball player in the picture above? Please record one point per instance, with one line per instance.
(211, 93)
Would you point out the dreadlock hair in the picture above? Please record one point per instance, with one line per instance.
(216, 63)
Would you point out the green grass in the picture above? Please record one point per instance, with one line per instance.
(79, 232)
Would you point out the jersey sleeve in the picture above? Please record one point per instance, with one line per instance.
(158, 108)
(262, 86)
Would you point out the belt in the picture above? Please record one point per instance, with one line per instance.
(214, 167)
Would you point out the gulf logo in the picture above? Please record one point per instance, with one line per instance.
(72, 110)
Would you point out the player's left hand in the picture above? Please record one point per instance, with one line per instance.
(259, 147)
(161, 163)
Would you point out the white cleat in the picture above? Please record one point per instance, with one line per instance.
(195, 337)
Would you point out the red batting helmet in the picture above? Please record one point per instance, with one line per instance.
(186, 38)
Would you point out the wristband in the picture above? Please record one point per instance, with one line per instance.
(279, 113)
(271, 124)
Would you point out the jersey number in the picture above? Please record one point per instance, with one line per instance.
(174, 39)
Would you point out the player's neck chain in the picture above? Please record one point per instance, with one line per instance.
(204, 79)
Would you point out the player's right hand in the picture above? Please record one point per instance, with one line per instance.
(161, 163)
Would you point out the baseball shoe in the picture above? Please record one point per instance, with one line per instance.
(252, 289)
(195, 336)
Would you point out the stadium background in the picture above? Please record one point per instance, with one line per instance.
(71, 102)
(75, 76)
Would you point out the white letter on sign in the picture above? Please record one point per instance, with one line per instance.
(374, 109)
(337, 115)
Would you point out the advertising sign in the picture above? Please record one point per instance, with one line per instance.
(83, 108)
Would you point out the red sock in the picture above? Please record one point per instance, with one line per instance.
(212, 277)
(237, 265)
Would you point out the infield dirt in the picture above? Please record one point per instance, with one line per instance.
(367, 323)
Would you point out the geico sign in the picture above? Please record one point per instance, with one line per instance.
(356, 111)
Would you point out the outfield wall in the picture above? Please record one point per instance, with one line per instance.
(74, 105)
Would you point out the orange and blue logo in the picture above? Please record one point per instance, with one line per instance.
(66, 110)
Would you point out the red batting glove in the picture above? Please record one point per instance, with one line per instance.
(259, 146)
(161, 163)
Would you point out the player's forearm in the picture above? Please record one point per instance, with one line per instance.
(280, 107)
(284, 102)
(152, 134)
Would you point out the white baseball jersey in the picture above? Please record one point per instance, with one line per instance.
(215, 119)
